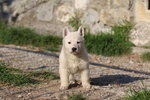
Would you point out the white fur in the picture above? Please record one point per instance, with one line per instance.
(71, 62)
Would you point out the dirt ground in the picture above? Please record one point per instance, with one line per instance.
(111, 77)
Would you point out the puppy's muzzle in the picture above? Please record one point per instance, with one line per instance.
(74, 49)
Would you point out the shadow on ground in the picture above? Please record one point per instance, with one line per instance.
(91, 63)
(114, 79)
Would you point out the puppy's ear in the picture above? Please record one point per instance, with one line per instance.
(65, 31)
(81, 31)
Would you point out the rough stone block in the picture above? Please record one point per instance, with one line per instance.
(113, 16)
(64, 12)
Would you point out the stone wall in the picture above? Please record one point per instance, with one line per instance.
(51, 16)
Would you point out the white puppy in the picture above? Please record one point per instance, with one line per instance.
(73, 58)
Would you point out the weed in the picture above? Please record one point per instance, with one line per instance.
(146, 56)
(76, 97)
(143, 94)
(75, 21)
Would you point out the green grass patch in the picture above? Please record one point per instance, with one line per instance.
(114, 43)
(142, 94)
(17, 77)
(12, 76)
(111, 44)
(44, 75)
(146, 56)
(78, 96)
(25, 36)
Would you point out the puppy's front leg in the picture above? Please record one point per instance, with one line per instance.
(71, 79)
(85, 79)
(64, 78)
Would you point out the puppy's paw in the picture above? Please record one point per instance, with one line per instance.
(64, 87)
(72, 81)
(86, 86)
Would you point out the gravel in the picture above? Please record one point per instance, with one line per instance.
(111, 77)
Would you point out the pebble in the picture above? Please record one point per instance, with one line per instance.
(108, 61)
(40, 59)
(131, 62)
(64, 97)
(95, 87)
(120, 93)
(20, 96)
(29, 94)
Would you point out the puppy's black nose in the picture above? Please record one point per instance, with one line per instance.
(74, 49)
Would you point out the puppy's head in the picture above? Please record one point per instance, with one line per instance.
(73, 41)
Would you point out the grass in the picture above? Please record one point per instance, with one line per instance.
(115, 43)
(25, 36)
(146, 56)
(76, 97)
(143, 94)
(44, 75)
(13, 76)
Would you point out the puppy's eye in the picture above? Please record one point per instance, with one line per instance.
(69, 42)
(78, 42)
